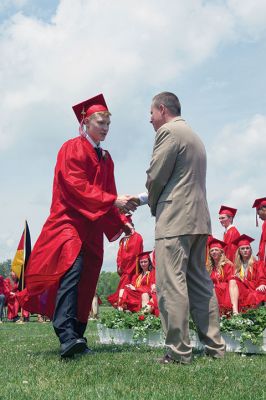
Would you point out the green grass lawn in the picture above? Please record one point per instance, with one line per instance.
(31, 369)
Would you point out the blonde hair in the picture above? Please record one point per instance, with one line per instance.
(221, 263)
(94, 115)
(239, 264)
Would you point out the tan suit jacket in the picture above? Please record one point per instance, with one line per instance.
(176, 182)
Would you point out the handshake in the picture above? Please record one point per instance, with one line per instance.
(127, 203)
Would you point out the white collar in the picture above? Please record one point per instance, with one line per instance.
(230, 226)
(87, 136)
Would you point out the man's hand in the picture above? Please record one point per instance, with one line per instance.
(126, 203)
(134, 199)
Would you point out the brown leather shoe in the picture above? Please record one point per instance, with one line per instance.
(167, 360)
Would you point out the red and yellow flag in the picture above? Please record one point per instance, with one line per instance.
(20, 260)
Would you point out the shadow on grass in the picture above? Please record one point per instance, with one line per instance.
(108, 348)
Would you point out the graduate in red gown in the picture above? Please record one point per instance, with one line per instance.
(137, 294)
(226, 217)
(221, 271)
(248, 287)
(129, 247)
(260, 205)
(11, 288)
(153, 303)
(64, 266)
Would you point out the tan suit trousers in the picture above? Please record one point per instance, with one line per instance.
(184, 286)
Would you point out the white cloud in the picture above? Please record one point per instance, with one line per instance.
(98, 45)
(250, 16)
(240, 147)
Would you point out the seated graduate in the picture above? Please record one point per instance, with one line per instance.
(248, 287)
(221, 271)
(129, 247)
(137, 295)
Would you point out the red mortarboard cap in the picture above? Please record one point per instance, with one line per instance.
(210, 237)
(228, 211)
(144, 255)
(243, 240)
(259, 203)
(89, 107)
(216, 243)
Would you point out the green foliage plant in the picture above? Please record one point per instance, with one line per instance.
(249, 325)
(139, 322)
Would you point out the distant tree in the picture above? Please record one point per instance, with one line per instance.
(5, 268)
(107, 284)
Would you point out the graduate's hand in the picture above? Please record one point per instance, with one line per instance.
(128, 229)
(153, 288)
(261, 288)
(131, 287)
(126, 203)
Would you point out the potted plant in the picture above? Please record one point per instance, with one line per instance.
(126, 327)
(245, 332)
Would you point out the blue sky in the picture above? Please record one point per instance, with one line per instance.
(56, 53)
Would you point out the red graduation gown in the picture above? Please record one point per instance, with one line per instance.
(229, 236)
(131, 299)
(262, 253)
(248, 295)
(2, 285)
(153, 301)
(11, 299)
(82, 211)
(220, 283)
(129, 248)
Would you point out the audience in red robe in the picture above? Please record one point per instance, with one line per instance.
(220, 269)
(248, 287)
(129, 247)
(11, 288)
(137, 295)
(260, 205)
(226, 217)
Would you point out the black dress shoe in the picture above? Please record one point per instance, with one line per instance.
(86, 352)
(73, 347)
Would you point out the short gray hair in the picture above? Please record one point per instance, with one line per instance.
(169, 100)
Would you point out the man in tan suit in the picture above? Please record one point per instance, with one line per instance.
(177, 198)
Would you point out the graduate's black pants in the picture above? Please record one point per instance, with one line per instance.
(65, 322)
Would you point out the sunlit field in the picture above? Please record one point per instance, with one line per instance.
(32, 369)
